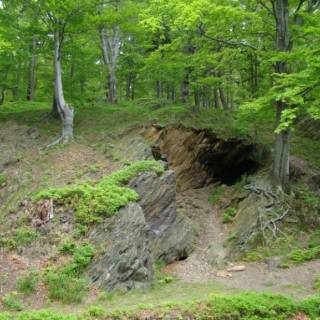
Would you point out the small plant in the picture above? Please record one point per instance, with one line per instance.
(3, 180)
(229, 215)
(216, 194)
(28, 284)
(24, 237)
(65, 287)
(316, 285)
(66, 284)
(12, 302)
(67, 247)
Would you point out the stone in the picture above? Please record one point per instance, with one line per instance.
(126, 261)
(223, 274)
(172, 236)
(237, 268)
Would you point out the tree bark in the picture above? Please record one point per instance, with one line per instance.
(185, 87)
(223, 99)
(32, 71)
(111, 50)
(282, 141)
(65, 111)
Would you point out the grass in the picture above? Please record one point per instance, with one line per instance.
(11, 301)
(247, 306)
(28, 284)
(66, 284)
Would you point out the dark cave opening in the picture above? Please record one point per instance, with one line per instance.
(200, 158)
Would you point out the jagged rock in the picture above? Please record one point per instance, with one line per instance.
(141, 234)
(127, 261)
(200, 157)
(172, 236)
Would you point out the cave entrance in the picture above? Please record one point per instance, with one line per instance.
(200, 158)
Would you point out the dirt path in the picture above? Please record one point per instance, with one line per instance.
(208, 258)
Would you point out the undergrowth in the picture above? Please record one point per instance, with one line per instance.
(92, 202)
(250, 306)
(66, 283)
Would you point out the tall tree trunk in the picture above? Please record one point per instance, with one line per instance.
(32, 71)
(111, 49)
(282, 142)
(159, 89)
(65, 111)
(2, 96)
(216, 98)
(223, 99)
(185, 87)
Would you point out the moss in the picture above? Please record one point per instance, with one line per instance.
(94, 201)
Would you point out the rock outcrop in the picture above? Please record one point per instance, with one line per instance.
(126, 262)
(171, 235)
(140, 234)
(199, 156)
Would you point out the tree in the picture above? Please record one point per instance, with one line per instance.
(59, 17)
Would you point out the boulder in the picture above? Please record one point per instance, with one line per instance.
(126, 262)
(140, 234)
(172, 236)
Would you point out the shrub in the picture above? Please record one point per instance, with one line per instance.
(302, 255)
(67, 247)
(93, 201)
(3, 179)
(12, 302)
(65, 284)
(28, 283)
(229, 215)
(65, 287)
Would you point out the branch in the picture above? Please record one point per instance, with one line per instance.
(266, 7)
(301, 2)
(227, 42)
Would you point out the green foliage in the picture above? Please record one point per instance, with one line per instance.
(249, 306)
(12, 302)
(65, 287)
(67, 247)
(28, 284)
(3, 179)
(92, 202)
(22, 237)
(216, 194)
(229, 215)
(316, 284)
(66, 284)
(302, 255)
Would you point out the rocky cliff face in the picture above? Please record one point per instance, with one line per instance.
(141, 234)
(199, 156)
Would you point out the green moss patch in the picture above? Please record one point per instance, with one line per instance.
(93, 201)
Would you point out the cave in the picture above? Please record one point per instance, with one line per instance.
(199, 157)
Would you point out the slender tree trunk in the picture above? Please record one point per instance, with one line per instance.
(223, 99)
(185, 88)
(111, 50)
(2, 96)
(65, 111)
(32, 71)
(216, 98)
(282, 142)
(159, 89)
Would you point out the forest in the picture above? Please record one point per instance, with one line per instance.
(159, 159)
